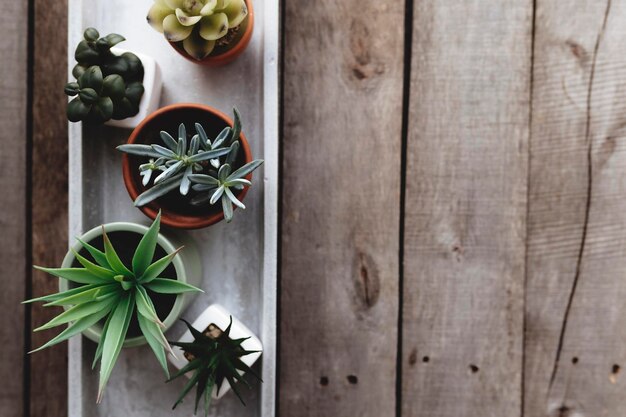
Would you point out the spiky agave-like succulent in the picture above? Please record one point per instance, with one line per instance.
(213, 357)
(199, 24)
(109, 290)
(120, 95)
(177, 162)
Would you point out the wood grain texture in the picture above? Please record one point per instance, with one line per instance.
(576, 316)
(13, 142)
(465, 209)
(340, 218)
(48, 379)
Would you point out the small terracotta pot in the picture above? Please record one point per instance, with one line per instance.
(176, 210)
(232, 53)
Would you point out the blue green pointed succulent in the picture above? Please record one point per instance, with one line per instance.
(200, 164)
(107, 290)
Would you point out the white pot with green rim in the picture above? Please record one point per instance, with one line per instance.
(186, 265)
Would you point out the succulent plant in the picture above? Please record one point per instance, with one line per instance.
(108, 290)
(177, 161)
(213, 357)
(213, 188)
(200, 25)
(107, 86)
(181, 162)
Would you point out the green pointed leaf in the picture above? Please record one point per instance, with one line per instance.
(75, 328)
(112, 257)
(97, 254)
(62, 294)
(156, 332)
(93, 269)
(98, 354)
(154, 344)
(76, 313)
(157, 267)
(188, 386)
(144, 308)
(114, 339)
(170, 286)
(203, 381)
(81, 297)
(77, 275)
(145, 250)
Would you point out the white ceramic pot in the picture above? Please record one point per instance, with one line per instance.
(216, 314)
(152, 83)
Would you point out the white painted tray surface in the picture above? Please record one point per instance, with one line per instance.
(239, 259)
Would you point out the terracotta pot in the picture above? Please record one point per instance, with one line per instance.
(176, 210)
(230, 54)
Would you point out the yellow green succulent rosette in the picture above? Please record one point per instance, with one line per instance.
(198, 24)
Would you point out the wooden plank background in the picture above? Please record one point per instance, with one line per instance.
(453, 215)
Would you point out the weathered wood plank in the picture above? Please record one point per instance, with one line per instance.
(576, 315)
(48, 380)
(340, 219)
(13, 142)
(466, 208)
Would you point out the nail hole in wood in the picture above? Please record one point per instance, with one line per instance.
(575, 360)
(352, 379)
(615, 369)
(324, 381)
(473, 368)
(425, 359)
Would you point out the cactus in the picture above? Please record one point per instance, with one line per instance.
(200, 25)
(107, 86)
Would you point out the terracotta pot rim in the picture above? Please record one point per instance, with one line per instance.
(190, 222)
(230, 54)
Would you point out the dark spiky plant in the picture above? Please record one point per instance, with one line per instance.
(213, 357)
(109, 290)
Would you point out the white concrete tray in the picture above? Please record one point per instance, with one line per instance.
(239, 259)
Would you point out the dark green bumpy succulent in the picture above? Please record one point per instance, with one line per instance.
(107, 86)
(213, 357)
